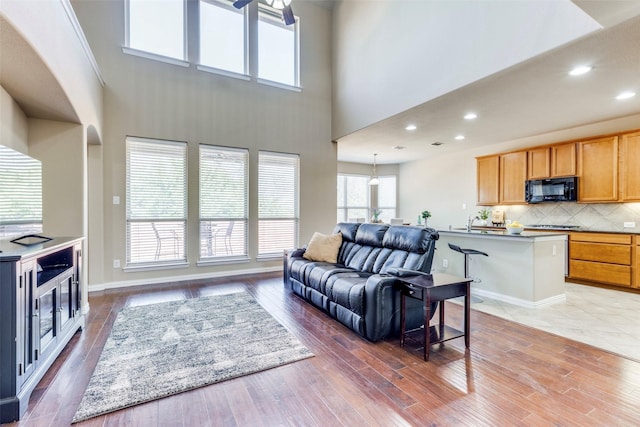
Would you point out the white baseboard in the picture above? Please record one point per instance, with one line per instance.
(518, 301)
(181, 278)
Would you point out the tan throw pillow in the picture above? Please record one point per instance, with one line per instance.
(323, 248)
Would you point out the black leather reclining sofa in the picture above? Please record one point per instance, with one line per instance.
(357, 290)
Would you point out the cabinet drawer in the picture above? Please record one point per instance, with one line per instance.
(600, 252)
(621, 239)
(598, 272)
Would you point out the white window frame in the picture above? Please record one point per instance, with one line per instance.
(262, 217)
(395, 205)
(219, 234)
(345, 206)
(160, 239)
(275, 18)
(225, 4)
(152, 55)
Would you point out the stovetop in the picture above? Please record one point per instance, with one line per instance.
(554, 227)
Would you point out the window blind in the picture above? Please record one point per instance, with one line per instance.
(20, 193)
(278, 200)
(224, 209)
(156, 201)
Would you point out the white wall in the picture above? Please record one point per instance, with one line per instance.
(390, 56)
(147, 98)
(444, 183)
(13, 124)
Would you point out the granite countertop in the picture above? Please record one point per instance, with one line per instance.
(502, 233)
(566, 229)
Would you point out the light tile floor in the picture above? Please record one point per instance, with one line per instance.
(604, 318)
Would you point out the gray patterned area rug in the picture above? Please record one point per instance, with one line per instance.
(162, 349)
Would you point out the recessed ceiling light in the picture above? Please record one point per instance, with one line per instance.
(459, 137)
(626, 95)
(470, 116)
(583, 69)
(399, 147)
(411, 127)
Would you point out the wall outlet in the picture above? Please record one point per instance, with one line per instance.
(116, 200)
(554, 251)
(116, 263)
(629, 224)
(445, 263)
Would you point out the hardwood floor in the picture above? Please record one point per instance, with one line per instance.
(512, 375)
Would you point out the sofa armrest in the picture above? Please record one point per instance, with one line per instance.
(382, 306)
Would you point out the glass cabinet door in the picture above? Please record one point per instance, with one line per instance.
(66, 295)
(46, 313)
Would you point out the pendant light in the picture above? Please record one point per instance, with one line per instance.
(374, 180)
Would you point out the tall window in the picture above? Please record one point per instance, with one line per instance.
(387, 197)
(223, 36)
(278, 213)
(353, 197)
(156, 202)
(157, 26)
(223, 202)
(277, 48)
(20, 193)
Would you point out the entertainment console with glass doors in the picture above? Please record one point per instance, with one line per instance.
(40, 310)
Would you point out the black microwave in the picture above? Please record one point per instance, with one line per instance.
(551, 190)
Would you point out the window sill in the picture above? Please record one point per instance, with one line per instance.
(272, 257)
(205, 262)
(279, 85)
(155, 57)
(149, 267)
(221, 72)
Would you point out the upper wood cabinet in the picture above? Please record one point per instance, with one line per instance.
(563, 160)
(598, 170)
(513, 174)
(488, 175)
(629, 167)
(551, 162)
(539, 162)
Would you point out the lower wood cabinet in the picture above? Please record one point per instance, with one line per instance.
(607, 258)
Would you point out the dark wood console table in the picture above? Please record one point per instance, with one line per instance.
(431, 288)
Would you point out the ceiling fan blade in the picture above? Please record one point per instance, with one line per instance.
(287, 14)
(239, 4)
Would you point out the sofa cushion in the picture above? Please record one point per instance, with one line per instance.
(410, 239)
(371, 234)
(348, 230)
(323, 248)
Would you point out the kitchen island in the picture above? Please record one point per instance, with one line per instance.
(526, 269)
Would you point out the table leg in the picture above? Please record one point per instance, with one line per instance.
(402, 318)
(467, 315)
(427, 328)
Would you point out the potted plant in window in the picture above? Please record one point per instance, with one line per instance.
(425, 215)
(375, 216)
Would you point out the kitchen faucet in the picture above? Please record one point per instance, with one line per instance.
(470, 221)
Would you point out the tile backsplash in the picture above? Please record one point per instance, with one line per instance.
(596, 216)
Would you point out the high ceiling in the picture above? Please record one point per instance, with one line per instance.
(531, 98)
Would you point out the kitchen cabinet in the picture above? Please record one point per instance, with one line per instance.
(602, 258)
(488, 180)
(563, 160)
(513, 174)
(539, 163)
(629, 171)
(40, 310)
(551, 162)
(598, 170)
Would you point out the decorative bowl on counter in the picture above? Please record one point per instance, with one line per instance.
(513, 229)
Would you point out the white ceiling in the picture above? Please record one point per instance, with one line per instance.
(532, 98)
